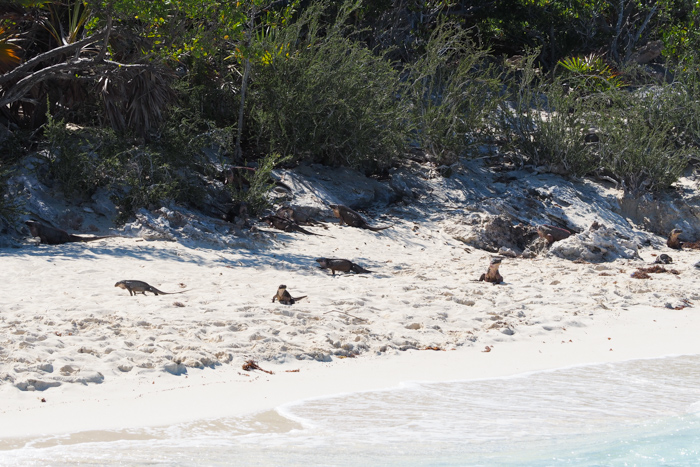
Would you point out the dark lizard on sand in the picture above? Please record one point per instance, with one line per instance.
(343, 265)
(552, 233)
(285, 297)
(53, 236)
(140, 286)
(352, 218)
(673, 240)
(287, 225)
(492, 275)
(295, 215)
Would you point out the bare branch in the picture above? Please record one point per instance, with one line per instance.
(618, 31)
(633, 40)
(27, 66)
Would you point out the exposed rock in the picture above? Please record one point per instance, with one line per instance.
(175, 368)
(180, 224)
(604, 244)
(663, 259)
(496, 233)
(318, 186)
(662, 212)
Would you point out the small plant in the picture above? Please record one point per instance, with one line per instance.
(589, 74)
(259, 183)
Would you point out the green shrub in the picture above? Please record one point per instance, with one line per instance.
(259, 182)
(143, 177)
(635, 136)
(318, 94)
(543, 124)
(680, 102)
(638, 144)
(73, 157)
(588, 74)
(450, 90)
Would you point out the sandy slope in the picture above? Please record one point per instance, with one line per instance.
(104, 360)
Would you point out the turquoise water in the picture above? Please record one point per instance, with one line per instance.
(642, 412)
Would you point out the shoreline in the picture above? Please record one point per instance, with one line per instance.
(635, 334)
(106, 361)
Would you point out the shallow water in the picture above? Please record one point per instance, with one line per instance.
(641, 412)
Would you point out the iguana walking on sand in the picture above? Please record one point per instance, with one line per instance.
(343, 265)
(135, 287)
(352, 218)
(285, 297)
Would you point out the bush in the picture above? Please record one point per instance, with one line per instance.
(259, 182)
(588, 74)
(543, 124)
(680, 102)
(73, 159)
(319, 95)
(630, 136)
(450, 91)
(141, 178)
(83, 159)
(638, 144)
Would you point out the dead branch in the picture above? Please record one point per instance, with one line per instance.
(27, 66)
(251, 365)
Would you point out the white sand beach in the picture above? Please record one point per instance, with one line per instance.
(79, 355)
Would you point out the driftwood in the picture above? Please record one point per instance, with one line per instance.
(251, 365)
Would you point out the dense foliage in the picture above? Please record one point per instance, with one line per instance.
(583, 87)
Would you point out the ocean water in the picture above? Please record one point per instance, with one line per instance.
(640, 412)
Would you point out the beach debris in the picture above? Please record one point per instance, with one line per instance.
(433, 347)
(486, 349)
(348, 314)
(640, 275)
(251, 365)
(292, 371)
(643, 273)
